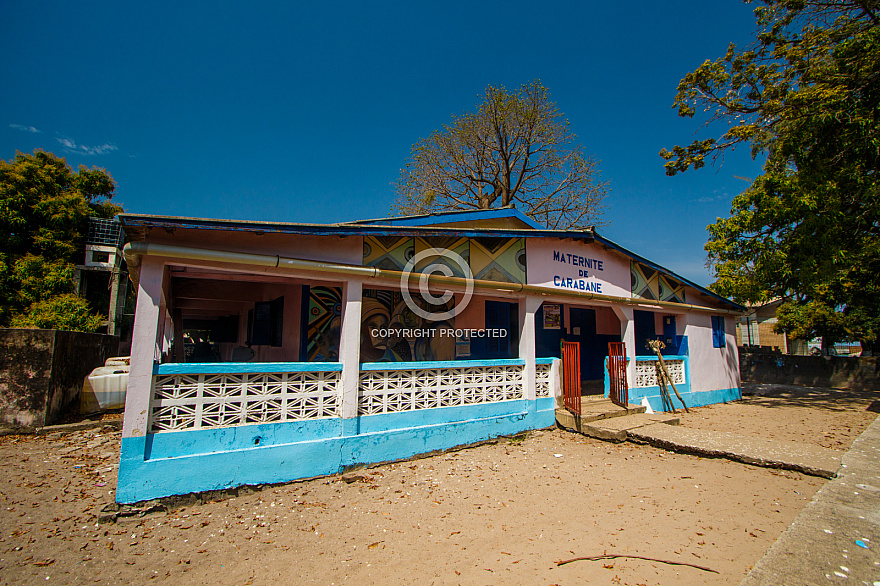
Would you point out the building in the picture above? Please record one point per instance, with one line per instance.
(265, 352)
(757, 328)
(102, 279)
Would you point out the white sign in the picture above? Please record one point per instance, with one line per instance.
(581, 273)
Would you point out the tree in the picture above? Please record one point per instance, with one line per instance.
(806, 94)
(44, 212)
(515, 151)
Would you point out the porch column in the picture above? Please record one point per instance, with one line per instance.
(527, 308)
(350, 346)
(628, 335)
(145, 338)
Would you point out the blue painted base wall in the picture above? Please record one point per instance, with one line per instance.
(692, 398)
(174, 463)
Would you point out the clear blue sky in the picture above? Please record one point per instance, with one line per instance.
(305, 112)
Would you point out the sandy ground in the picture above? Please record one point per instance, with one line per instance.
(830, 418)
(502, 513)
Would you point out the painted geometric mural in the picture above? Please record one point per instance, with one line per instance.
(491, 259)
(671, 290)
(325, 311)
(499, 259)
(648, 283)
(452, 243)
(388, 252)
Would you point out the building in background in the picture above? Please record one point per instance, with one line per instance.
(756, 330)
(103, 278)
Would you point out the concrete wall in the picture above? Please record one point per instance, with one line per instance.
(42, 372)
(164, 464)
(840, 372)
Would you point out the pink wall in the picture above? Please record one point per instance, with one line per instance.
(330, 248)
(712, 368)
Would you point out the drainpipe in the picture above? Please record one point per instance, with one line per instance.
(134, 250)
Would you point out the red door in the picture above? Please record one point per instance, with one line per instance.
(571, 376)
(619, 391)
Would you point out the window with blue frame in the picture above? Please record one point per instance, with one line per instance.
(718, 340)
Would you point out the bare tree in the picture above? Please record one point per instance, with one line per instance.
(516, 151)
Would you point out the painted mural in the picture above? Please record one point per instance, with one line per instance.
(649, 283)
(491, 259)
(391, 332)
(325, 321)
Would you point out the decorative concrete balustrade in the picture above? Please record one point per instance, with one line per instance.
(646, 371)
(408, 386)
(199, 396)
(213, 395)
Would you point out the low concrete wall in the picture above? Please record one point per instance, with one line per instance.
(42, 372)
(841, 372)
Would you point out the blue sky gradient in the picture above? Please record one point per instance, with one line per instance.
(306, 112)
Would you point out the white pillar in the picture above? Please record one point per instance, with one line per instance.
(628, 335)
(527, 308)
(350, 346)
(143, 347)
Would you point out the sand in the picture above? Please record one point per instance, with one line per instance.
(501, 513)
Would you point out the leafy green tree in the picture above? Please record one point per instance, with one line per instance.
(516, 151)
(61, 312)
(805, 94)
(44, 212)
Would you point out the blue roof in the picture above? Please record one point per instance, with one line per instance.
(455, 216)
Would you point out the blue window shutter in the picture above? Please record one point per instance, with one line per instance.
(718, 340)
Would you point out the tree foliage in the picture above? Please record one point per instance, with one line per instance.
(44, 212)
(516, 150)
(61, 312)
(805, 94)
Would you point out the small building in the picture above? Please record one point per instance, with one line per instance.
(266, 352)
(757, 328)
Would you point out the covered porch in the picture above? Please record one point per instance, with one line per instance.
(254, 377)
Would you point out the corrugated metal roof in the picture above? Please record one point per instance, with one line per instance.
(135, 224)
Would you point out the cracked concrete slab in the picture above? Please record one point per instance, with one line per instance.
(836, 538)
(771, 453)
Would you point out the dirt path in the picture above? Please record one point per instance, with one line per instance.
(496, 514)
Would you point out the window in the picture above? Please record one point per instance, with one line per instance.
(718, 340)
(266, 322)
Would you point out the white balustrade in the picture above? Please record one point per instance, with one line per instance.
(395, 390)
(198, 401)
(646, 372)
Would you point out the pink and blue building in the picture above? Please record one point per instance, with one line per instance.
(267, 352)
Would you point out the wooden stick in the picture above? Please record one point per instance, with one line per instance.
(664, 392)
(608, 556)
(669, 378)
(656, 346)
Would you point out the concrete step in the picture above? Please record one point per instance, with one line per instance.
(594, 410)
(618, 429)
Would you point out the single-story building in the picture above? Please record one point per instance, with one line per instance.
(266, 352)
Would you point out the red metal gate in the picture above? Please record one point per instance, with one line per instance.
(571, 376)
(619, 392)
